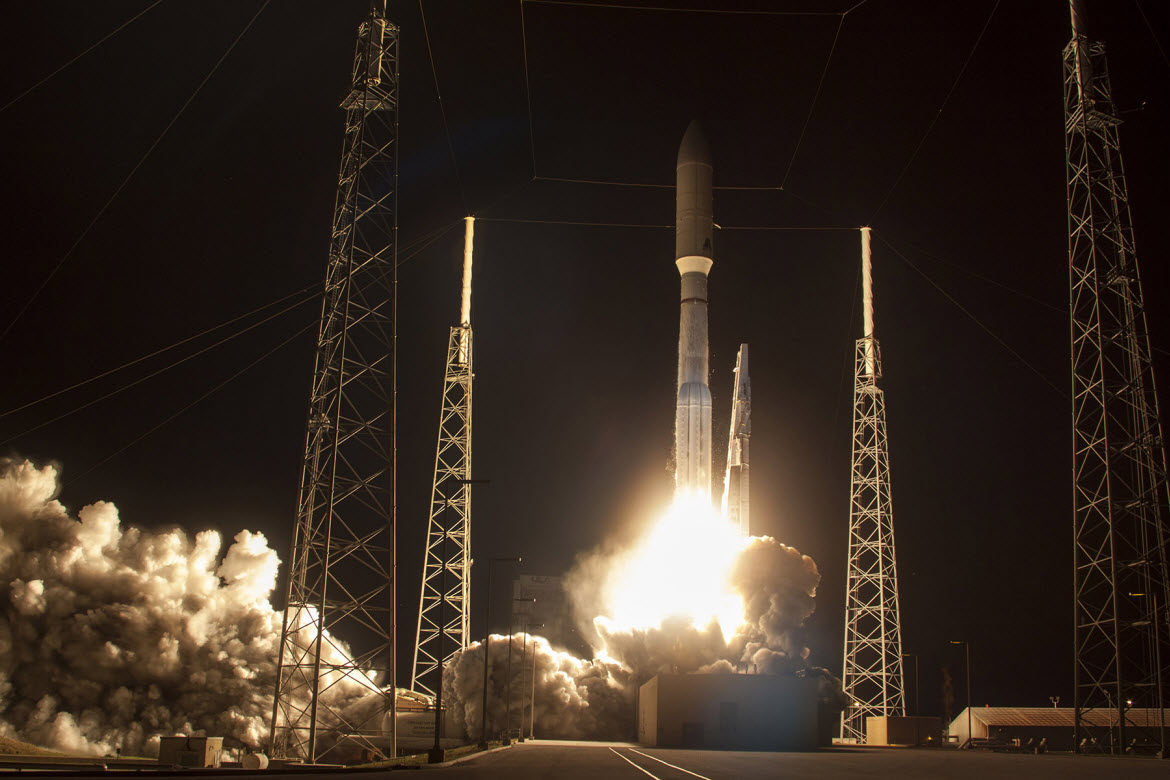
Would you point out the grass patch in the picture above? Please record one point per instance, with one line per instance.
(12, 747)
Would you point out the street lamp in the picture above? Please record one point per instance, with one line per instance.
(915, 657)
(967, 653)
(532, 703)
(523, 658)
(1162, 752)
(487, 646)
(508, 674)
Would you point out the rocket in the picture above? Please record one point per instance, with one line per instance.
(694, 253)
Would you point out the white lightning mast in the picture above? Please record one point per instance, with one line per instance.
(735, 483)
(444, 604)
(873, 636)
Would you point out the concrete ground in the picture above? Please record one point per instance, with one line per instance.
(626, 761)
(622, 761)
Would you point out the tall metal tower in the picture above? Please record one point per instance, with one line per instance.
(736, 493)
(873, 635)
(444, 617)
(1120, 504)
(337, 639)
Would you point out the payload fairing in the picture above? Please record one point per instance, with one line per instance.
(693, 249)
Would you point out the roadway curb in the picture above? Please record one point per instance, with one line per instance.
(468, 757)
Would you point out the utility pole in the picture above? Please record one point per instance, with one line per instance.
(872, 677)
(1120, 498)
(338, 629)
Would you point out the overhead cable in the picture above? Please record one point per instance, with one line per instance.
(937, 114)
(100, 41)
(442, 110)
(973, 318)
(129, 176)
(209, 392)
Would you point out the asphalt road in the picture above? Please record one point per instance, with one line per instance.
(618, 761)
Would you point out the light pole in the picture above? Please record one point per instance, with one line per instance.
(1162, 752)
(523, 658)
(967, 654)
(532, 702)
(915, 657)
(508, 674)
(487, 646)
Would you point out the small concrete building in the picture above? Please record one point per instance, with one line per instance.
(1026, 726)
(199, 752)
(729, 712)
(889, 730)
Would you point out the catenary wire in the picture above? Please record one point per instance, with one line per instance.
(161, 351)
(100, 41)
(975, 319)
(1153, 33)
(421, 242)
(667, 9)
(44, 283)
(612, 183)
(417, 245)
(162, 370)
(528, 92)
(207, 393)
(527, 89)
(442, 110)
(937, 114)
(847, 358)
(816, 95)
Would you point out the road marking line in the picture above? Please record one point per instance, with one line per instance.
(672, 766)
(635, 766)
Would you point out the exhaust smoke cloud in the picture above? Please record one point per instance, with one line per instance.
(112, 635)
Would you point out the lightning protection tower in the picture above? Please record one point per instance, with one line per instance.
(337, 638)
(443, 614)
(1121, 588)
(873, 635)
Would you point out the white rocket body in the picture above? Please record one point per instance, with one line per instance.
(693, 250)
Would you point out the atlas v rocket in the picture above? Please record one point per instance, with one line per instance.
(694, 253)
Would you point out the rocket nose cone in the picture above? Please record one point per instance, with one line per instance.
(693, 148)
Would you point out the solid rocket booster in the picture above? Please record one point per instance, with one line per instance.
(693, 250)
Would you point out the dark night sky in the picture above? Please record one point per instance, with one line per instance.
(576, 327)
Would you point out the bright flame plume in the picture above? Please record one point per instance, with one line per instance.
(681, 568)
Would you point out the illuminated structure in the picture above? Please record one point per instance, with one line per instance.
(736, 507)
(1122, 591)
(444, 602)
(873, 635)
(694, 227)
(341, 568)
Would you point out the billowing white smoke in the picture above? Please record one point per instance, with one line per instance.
(110, 636)
(575, 698)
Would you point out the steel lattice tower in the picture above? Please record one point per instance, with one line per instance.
(337, 639)
(872, 675)
(444, 614)
(1122, 591)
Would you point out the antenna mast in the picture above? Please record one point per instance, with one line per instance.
(337, 638)
(1121, 587)
(873, 634)
(444, 620)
